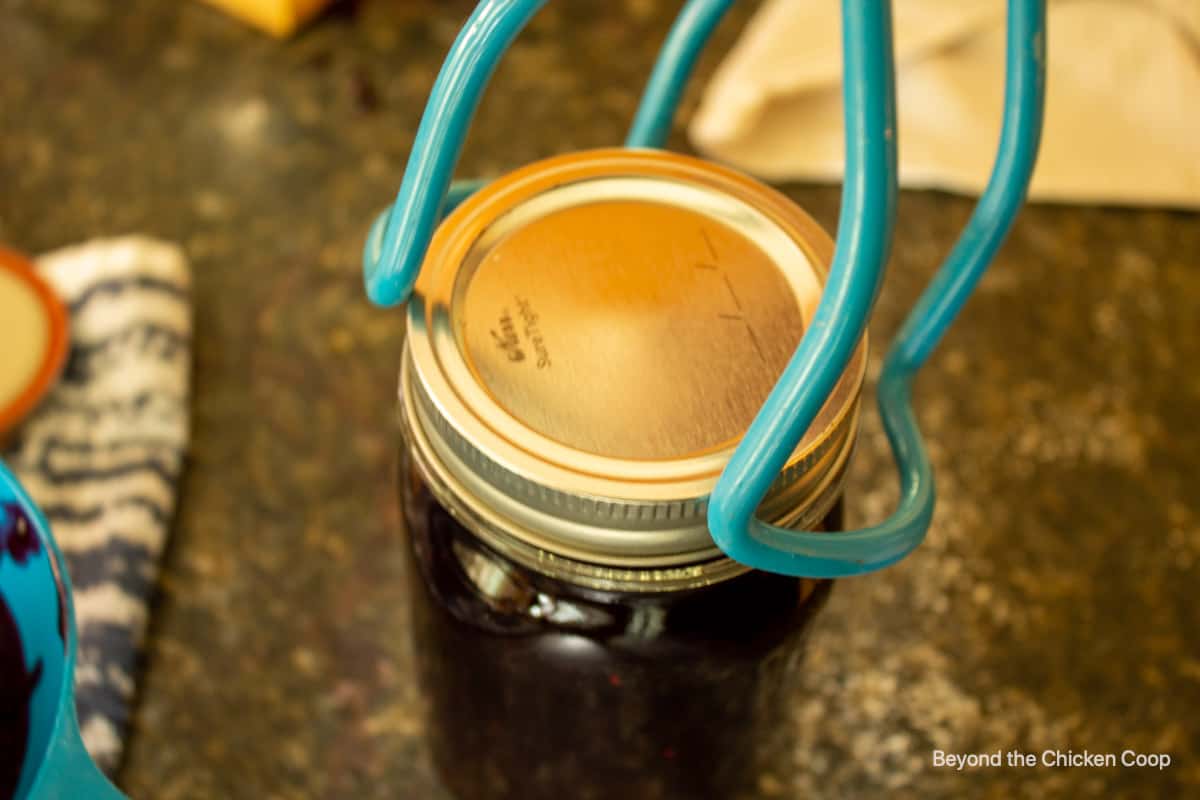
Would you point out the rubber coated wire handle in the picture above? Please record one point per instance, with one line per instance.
(690, 33)
(841, 314)
(400, 236)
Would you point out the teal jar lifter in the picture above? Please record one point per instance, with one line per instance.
(630, 391)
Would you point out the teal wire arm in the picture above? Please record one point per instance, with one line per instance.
(664, 90)
(794, 402)
(865, 225)
(400, 236)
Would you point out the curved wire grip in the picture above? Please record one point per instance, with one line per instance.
(400, 236)
(810, 375)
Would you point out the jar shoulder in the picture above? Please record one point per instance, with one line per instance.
(479, 587)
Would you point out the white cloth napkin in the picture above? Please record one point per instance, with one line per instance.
(102, 455)
(1122, 105)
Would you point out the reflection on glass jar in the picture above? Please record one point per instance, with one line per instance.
(589, 339)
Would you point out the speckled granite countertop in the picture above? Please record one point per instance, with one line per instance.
(1053, 605)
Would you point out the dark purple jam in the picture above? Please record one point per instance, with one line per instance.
(540, 689)
(19, 543)
(16, 689)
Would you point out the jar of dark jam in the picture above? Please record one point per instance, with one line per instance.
(588, 341)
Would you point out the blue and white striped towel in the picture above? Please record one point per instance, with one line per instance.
(103, 453)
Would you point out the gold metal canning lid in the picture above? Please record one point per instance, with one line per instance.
(591, 336)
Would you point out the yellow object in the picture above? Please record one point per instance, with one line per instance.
(276, 17)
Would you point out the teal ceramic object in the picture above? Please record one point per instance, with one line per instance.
(43, 755)
(398, 240)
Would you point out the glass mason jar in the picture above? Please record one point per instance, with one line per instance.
(588, 341)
